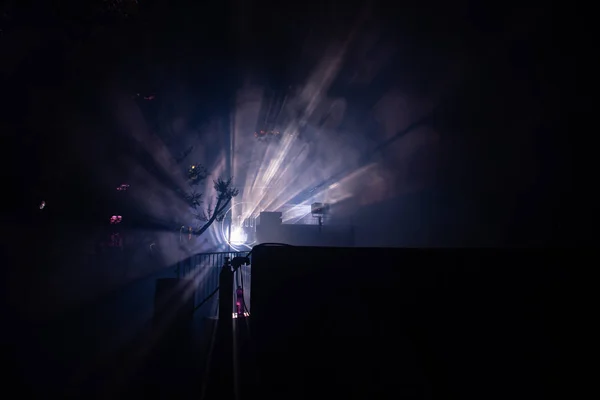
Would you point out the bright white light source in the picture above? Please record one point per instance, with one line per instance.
(236, 316)
(241, 218)
(42, 205)
(238, 236)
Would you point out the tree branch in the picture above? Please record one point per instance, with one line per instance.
(209, 222)
(214, 216)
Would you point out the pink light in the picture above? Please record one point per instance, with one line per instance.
(239, 304)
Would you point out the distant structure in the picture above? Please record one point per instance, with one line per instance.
(299, 225)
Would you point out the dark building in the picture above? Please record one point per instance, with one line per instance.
(271, 228)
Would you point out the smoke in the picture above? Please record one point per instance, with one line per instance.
(316, 158)
(319, 147)
(307, 148)
(308, 153)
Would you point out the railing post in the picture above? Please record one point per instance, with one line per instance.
(226, 295)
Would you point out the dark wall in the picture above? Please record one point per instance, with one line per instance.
(408, 323)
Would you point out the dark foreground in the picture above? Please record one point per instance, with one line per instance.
(368, 323)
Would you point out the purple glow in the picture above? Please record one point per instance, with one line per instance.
(239, 304)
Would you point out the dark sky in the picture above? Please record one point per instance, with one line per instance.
(60, 58)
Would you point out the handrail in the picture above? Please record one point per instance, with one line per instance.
(189, 264)
(205, 269)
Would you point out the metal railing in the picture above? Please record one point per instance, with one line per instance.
(204, 268)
